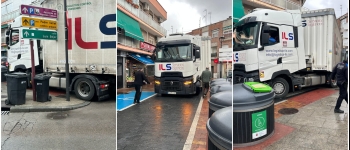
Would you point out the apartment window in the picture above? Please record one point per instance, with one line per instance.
(342, 23)
(215, 33)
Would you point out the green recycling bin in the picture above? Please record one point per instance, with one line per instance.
(253, 113)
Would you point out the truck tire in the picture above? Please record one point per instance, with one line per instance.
(281, 87)
(84, 89)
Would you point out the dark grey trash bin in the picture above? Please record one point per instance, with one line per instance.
(42, 87)
(220, 88)
(3, 72)
(221, 82)
(253, 113)
(219, 127)
(16, 88)
(219, 100)
(217, 79)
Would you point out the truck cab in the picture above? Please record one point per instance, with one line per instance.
(179, 62)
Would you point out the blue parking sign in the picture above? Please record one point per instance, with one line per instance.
(32, 23)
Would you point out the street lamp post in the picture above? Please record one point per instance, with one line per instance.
(220, 66)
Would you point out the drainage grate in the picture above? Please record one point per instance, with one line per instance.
(288, 111)
(5, 112)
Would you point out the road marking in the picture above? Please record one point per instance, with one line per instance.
(280, 102)
(140, 102)
(189, 140)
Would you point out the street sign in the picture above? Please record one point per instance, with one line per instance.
(38, 34)
(38, 11)
(39, 23)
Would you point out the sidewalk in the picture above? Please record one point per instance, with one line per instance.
(57, 103)
(314, 126)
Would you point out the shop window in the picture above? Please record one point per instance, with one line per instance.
(215, 33)
(150, 70)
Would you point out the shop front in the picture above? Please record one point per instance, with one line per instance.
(135, 61)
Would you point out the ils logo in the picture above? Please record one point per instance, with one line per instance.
(235, 57)
(284, 36)
(165, 67)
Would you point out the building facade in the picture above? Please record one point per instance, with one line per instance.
(249, 5)
(221, 37)
(138, 27)
(343, 23)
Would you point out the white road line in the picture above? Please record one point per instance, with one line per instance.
(189, 140)
(134, 104)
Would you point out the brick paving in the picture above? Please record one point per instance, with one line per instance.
(201, 135)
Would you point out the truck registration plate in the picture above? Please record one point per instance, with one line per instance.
(171, 92)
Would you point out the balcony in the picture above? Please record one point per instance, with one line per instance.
(10, 16)
(284, 4)
(142, 16)
(127, 41)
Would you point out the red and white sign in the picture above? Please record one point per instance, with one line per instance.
(147, 47)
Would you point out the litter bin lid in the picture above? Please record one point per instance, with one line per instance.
(17, 75)
(220, 123)
(221, 82)
(42, 77)
(258, 87)
(218, 79)
(223, 99)
(244, 98)
(221, 88)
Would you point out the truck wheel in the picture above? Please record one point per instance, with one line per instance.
(281, 87)
(84, 89)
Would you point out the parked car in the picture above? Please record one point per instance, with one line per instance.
(4, 61)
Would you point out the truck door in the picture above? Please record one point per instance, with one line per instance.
(279, 54)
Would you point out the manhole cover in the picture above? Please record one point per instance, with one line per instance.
(57, 116)
(288, 111)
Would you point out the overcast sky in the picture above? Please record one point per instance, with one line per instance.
(335, 4)
(185, 14)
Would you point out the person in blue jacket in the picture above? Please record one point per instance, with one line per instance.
(271, 40)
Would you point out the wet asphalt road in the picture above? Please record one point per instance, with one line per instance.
(157, 123)
(90, 127)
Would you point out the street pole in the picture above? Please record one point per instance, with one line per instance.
(33, 69)
(66, 49)
(220, 61)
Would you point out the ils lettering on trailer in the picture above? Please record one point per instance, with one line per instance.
(92, 45)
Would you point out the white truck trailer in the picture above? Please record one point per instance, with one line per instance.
(91, 46)
(179, 61)
(307, 47)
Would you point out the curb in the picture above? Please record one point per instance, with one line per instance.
(47, 109)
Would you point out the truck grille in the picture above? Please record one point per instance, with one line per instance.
(171, 86)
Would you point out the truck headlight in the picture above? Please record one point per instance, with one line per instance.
(188, 82)
(157, 82)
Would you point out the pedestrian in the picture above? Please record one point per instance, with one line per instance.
(341, 72)
(138, 82)
(206, 77)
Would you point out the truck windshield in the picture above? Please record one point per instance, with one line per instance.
(246, 36)
(176, 53)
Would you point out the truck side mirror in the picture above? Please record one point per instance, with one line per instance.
(7, 40)
(265, 38)
(197, 54)
(266, 28)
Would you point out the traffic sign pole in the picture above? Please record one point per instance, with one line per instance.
(66, 49)
(33, 69)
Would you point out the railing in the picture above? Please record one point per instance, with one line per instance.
(127, 41)
(285, 4)
(10, 16)
(143, 16)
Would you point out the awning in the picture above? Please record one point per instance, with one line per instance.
(131, 26)
(4, 26)
(141, 58)
(237, 10)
